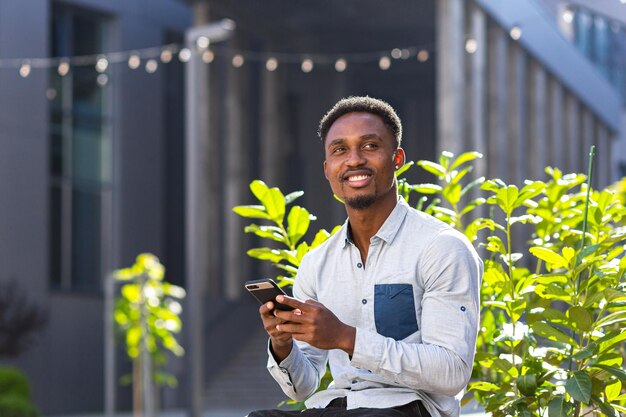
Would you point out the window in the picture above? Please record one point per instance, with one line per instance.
(80, 152)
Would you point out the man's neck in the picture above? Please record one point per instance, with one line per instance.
(366, 223)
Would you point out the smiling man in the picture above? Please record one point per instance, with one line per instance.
(390, 301)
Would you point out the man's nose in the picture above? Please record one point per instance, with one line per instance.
(355, 158)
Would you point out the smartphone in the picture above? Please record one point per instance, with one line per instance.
(265, 290)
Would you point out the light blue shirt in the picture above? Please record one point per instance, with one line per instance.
(415, 307)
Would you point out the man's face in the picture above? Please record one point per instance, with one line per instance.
(361, 159)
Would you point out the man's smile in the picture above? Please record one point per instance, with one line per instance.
(358, 178)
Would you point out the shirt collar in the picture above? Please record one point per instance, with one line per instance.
(388, 230)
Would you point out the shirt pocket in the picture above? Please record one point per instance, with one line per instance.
(394, 310)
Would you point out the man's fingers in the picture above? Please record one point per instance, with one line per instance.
(266, 309)
(291, 328)
(303, 306)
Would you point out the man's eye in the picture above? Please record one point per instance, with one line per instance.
(371, 146)
(338, 150)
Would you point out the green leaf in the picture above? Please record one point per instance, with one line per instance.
(252, 212)
(506, 198)
(611, 339)
(545, 330)
(472, 205)
(291, 197)
(606, 408)
(426, 188)
(404, 168)
(471, 185)
(483, 386)
(266, 232)
(433, 168)
(452, 193)
(579, 387)
(587, 352)
(610, 319)
(550, 257)
(613, 390)
(465, 157)
(557, 407)
(613, 370)
(259, 189)
(527, 384)
(274, 202)
(266, 254)
(320, 237)
(298, 222)
(444, 159)
(580, 318)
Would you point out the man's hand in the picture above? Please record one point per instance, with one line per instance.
(315, 324)
(280, 341)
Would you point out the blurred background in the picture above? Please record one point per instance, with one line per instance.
(136, 126)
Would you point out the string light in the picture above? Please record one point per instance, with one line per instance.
(166, 56)
(25, 70)
(202, 42)
(423, 55)
(341, 65)
(63, 68)
(568, 16)
(384, 63)
(151, 66)
(152, 57)
(134, 61)
(516, 32)
(307, 65)
(102, 80)
(208, 56)
(271, 64)
(238, 61)
(184, 55)
(471, 46)
(102, 64)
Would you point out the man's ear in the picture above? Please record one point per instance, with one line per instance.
(399, 158)
(325, 172)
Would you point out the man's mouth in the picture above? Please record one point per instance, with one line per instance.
(358, 179)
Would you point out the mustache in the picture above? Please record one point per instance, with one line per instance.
(360, 171)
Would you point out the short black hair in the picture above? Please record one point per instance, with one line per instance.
(363, 104)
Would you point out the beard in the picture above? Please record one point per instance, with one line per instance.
(361, 202)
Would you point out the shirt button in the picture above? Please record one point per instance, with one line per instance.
(463, 308)
(284, 371)
(364, 301)
(289, 383)
(359, 265)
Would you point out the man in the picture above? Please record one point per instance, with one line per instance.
(391, 300)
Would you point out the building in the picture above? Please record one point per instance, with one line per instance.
(96, 162)
(91, 164)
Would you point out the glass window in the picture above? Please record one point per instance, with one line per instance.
(80, 157)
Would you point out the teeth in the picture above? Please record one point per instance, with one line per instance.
(358, 177)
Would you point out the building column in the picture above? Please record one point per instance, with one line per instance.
(234, 177)
(517, 114)
(538, 146)
(603, 156)
(498, 103)
(572, 135)
(450, 75)
(586, 128)
(476, 97)
(272, 131)
(556, 124)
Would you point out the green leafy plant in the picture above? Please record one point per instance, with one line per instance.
(147, 314)
(15, 398)
(553, 308)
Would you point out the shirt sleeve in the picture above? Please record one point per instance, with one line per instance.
(451, 272)
(300, 373)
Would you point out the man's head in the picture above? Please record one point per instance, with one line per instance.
(362, 105)
(361, 137)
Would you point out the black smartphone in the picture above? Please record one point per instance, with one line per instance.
(265, 290)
